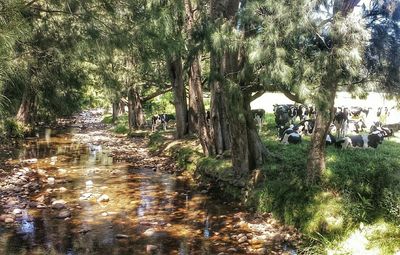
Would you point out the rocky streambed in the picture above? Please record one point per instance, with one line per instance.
(87, 191)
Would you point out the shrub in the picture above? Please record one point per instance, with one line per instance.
(14, 129)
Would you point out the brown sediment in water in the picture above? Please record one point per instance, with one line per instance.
(113, 198)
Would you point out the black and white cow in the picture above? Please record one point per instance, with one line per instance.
(330, 139)
(306, 126)
(383, 129)
(281, 116)
(161, 119)
(258, 116)
(302, 112)
(291, 135)
(363, 141)
(340, 121)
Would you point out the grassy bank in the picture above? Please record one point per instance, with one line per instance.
(354, 210)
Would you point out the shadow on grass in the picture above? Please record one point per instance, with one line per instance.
(358, 186)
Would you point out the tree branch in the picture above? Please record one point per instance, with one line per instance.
(155, 94)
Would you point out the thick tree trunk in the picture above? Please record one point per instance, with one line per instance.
(176, 73)
(115, 110)
(219, 130)
(325, 113)
(326, 101)
(197, 116)
(197, 105)
(26, 108)
(135, 110)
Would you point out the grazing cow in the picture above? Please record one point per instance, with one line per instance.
(356, 126)
(385, 130)
(306, 126)
(258, 115)
(363, 141)
(341, 122)
(330, 139)
(163, 119)
(281, 115)
(357, 112)
(302, 112)
(291, 135)
(312, 112)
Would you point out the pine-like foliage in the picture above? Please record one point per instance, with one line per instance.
(294, 43)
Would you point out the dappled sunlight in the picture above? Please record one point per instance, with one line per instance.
(92, 203)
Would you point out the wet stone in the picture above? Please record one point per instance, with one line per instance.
(242, 239)
(151, 248)
(149, 232)
(121, 236)
(64, 214)
(58, 204)
(9, 220)
(103, 198)
(51, 180)
(17, 211)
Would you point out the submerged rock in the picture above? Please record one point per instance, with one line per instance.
(64, 214)
(149, 232)
(121, 236)
(58, 204)
(103, 198)
(51, 180)
(151, 248)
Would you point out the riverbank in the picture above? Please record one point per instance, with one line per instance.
(353, 210)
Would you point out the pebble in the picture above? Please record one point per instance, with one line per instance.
(64, 214)
(51, 180)
(31, 161)
(121, 236)
(85, 196)
(58, 204)
(17, 211)
(62, 171)
(63, 189)
(242, 239)
(149, 232)
(103, 198)
(151, 248)
(89, 183)
(9, 220)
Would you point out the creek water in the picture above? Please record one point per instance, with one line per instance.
(148, 212)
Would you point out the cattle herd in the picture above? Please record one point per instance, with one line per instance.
(351, 126)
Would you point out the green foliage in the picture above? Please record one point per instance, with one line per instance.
(107, 119)
(121, 125)
(14, 129)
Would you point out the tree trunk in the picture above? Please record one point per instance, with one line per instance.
(176, 73)
(115, 110)
(219, 130)
(137, 108)
(131, 115)
(197, 115)
(326, 101)
(325, 112)
(26, 107)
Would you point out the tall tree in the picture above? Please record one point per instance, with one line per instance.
(231, 119)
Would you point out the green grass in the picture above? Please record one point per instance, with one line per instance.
(358, 186)
(121, 124)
